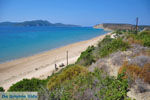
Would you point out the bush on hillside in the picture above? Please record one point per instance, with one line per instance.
(140, 60)
(141, 86)
(119, 32)
(86, 58)
(91, 86)
(142, 38)
(114, 45)
(27, 85)
(2, 89)
(67, 74)
(145, 38)
(134, 71)
(105, 41)
(104, 48)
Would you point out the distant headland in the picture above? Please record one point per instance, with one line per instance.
(37, 23)
(121, 26)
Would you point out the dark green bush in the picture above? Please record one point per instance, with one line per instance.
(119, 32)
(28, 85)
(86, 58)
(2, 89)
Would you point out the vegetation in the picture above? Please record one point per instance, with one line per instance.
(105, 41)
(106, 47)
(28, 85)
(145, 38)
(33, 84)
(75, 82)
(2, 89)
(142, 38)
(134, 71)
(86, 58)
(67, 74)
(113, 46)
(95, 85)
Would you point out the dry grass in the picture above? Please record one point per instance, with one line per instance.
(143, 52)
(135, 72)
(131, 40)
(145, 73)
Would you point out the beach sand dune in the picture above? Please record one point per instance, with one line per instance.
(41, 65)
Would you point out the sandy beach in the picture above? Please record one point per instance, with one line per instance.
(41, 65)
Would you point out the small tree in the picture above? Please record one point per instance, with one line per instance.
(2, 89)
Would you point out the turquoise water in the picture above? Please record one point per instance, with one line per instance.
(17, 42)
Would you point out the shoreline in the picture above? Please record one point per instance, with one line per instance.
(42, 65)
(7, 61)
(49, 50)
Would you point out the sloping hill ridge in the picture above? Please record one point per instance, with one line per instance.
(37, 23)
(120, 26)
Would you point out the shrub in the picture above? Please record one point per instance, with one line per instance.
(2, 89)
(130, 70)
(143, 52)
(134, 71)
(141, 86)
(114, 45)
(142, 38)
(118, 33)
(91, 86)
(105, 41)
(27, 85)
(140, 60)
(145, 38)
(104, 48)
(131, 40)
(67, 74)
(86, 58)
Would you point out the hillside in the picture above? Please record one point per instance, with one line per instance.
(115, 26)
(36, 23)
(117, 68)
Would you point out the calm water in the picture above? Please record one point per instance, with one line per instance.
(17, 42)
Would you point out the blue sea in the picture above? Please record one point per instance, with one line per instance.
(17, 42)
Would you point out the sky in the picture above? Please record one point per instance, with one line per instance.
(79, 12)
